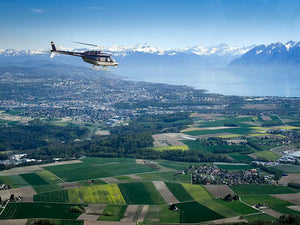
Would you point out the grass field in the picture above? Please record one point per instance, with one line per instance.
(53, 196)
(268, 155)
(49, 177)
(161, 214)
(166, 176)
(38, 210)
(287, 168)
(219, 208)
(241, 158)
(175, 165)
(193, 212)
(113, 213)
(265, 199)
(197, 192)
(286, 210)
(46, 188)
(200, 146)
(155, 195)
(136, 193)
(168, 216)
(249, 189)
(260, 216)
(237, 206)
(14, 181)
(92, 168)
(234, 167)
(33, 179)
(179, 192)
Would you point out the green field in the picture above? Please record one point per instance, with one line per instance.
(237, 206)
(113, 213)
(260, 216)
(175, 165)
(219, 208)
(53, 196)
(33, 179)
(234, 166)
(155, 195)
(166, 176)
(92, 168)
(49, 177)
(268, 155)
(137, 193)
(162, 214)
(46, 188)
(251, 189)
(201, 146)
(193, 212)
(168, 216)
(179, 192)
(265, 199)
(38, 210)
(287, 168)
(286, 210)
(197, 192)
(14, 181)
(241, 158)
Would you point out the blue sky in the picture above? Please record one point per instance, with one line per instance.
(31, 24)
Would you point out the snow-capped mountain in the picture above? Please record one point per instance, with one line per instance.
(272, 54)
(218, 50)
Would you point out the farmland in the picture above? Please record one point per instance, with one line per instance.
(136, 193)
(113, 213)
(179, 192)
(38, 210)
(249, 189)
(193, 212)
(109, 193)
(287, 168)
(197, 192)
(92, 168)
(149, 191)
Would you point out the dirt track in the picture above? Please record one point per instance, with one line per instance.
(165, 192)
(14, 222)
(218, 191)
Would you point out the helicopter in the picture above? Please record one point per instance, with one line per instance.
(97, 58)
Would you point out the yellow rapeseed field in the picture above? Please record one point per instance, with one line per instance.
(98, 194)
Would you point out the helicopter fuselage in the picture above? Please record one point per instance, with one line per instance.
(97, 58)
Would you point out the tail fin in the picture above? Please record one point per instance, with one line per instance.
(53, 47)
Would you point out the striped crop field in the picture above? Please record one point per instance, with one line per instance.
(197, 192)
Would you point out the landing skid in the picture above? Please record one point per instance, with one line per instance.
(100, 68)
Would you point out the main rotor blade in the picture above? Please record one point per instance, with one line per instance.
(98, 46)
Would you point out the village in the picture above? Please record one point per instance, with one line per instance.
(213, 175)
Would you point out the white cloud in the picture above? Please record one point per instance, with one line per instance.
(38, 11)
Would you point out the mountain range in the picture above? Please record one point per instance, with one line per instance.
(274, 54)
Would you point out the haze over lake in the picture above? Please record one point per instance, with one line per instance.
(256, 83)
